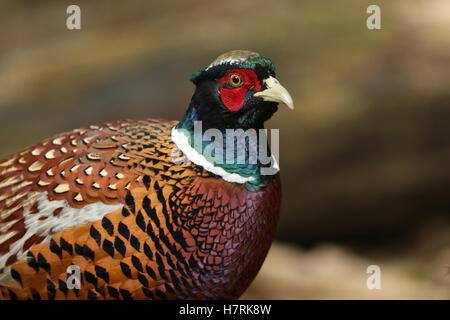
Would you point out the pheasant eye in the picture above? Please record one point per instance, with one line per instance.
(235, 79)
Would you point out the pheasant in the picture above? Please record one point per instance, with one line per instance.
(136, 210)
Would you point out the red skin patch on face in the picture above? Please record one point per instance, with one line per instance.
(234, 97)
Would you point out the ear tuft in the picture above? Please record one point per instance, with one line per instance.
(196, 77)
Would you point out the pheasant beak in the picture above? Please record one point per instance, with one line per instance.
(275, 92)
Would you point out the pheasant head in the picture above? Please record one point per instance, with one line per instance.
(238, 90)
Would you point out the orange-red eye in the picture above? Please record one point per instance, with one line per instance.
(235, 79)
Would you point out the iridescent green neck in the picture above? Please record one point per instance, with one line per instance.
(224, 148)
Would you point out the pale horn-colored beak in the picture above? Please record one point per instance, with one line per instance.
(275, 92)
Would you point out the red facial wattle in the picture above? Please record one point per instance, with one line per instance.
(233, 96)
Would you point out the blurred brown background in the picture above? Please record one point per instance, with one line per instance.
(365, 156)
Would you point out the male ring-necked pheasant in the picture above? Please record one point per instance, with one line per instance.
(135, 209)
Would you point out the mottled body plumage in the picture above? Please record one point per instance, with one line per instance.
(179, 231)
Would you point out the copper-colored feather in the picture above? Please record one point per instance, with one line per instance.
(170, 229)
